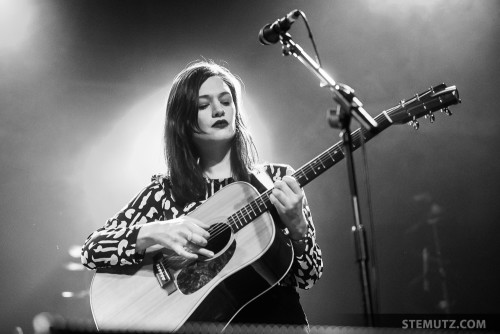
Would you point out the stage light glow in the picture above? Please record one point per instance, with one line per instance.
(73, 266)
(67, 294)
(263, 138)
(74, 251)
(119, 164)
(16, 23)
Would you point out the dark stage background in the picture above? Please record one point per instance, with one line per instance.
(83, 86)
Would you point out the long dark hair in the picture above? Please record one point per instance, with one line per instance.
(185, 174)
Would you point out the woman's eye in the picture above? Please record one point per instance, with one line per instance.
(226, 103)
(202, 106)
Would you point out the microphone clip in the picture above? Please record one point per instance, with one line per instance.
(349, 105)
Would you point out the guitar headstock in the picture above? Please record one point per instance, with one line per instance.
(439, 97)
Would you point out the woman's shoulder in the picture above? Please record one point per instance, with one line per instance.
(162, 180)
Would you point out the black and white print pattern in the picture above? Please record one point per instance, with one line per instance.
(114, 243)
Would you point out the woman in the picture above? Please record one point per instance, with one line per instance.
(207, 147)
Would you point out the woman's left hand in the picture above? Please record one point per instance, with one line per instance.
(287, 197)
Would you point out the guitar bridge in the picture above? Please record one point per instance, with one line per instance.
(164, 277)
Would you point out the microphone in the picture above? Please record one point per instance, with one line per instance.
(270, 33)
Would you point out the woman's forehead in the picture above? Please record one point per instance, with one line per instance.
(214, 86)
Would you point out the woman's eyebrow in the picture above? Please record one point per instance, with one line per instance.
(207, 96)
(224, 94)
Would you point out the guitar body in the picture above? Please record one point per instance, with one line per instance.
(246, 264)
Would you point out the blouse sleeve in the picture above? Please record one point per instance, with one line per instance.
(307, 267)
(114, 243)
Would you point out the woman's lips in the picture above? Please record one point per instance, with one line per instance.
(220, 124)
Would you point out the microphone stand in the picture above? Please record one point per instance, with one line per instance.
(348, 106)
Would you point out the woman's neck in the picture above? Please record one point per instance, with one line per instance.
(216, 162)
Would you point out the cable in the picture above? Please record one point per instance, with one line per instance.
(371, 244)
(310, 36)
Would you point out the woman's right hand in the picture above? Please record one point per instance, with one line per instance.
(185, 235)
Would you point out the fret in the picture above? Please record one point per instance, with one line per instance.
(241, 218)
(262, 202)
(258, 206)
(314, 171)
(237, 220)
(252, 211)
(265, 199)
(231, 222)
(245, 213)
(332, 158)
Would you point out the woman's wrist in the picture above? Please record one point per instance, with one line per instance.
(299, 245)
(143, 238)
(299, 231)
(298, 236)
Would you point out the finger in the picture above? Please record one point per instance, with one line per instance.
(198, 240)
(201, 224)
(292, 184)
(282, 186)
(289, 186)
(196, 222)
(192, 248)
(201, 231)
(276, 202)
(197, 226)
(285, 196)
(186, 235)
(205, 252)
(182, 251)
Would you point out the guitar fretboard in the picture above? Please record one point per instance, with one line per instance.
(306, 174)
(422, 104)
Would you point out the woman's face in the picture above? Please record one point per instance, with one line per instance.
(216, 112)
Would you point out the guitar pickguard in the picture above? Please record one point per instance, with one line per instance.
(198, 274)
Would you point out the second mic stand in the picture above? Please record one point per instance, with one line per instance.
(348, 106)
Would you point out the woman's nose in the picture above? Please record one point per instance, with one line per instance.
(217, 110)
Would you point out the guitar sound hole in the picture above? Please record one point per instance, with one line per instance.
(220, 236)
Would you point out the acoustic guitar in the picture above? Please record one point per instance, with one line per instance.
(165, 291)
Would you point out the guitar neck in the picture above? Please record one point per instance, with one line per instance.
(334, 154)
(424, 104)
(307, 173)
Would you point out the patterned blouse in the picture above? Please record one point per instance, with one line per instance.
(114, 244)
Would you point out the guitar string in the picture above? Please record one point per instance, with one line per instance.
(309, 168)
(324, 157)
(328, 155)
(239, 215)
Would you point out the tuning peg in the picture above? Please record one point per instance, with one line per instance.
(431, 117)
(446, 111)
(414, 123)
